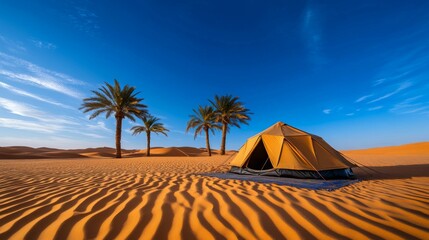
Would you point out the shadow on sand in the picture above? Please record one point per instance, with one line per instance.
(392, 172)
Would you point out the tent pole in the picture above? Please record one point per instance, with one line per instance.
(265, 163)
(250, 152)
(267, 146)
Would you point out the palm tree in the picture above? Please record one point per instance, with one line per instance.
(122, 102)
(151, 124)
(203, 120)
(229, 112)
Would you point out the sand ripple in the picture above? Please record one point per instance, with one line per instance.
(163, 198)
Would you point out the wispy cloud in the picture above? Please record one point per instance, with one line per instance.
(363, 98)
(61, 142)
(312, 33)
(29, 111)
(375, 108)
(84, 19)
(378, 82)
(415, 110)
(410, 105)
(401, 82)
(390, 78)
(23, 115)
(41, 121)
(20, 70)
(28, 125)
(21, 109)
(98, 126)
(42, 44)
(404, 63)
(31, 95)
(401, 87)
(93, 135)
(177, 131)
(327, 111)
(50, 128)
(12, 46)
(399, 90)
(350, 114)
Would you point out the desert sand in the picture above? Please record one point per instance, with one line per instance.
(165, 198)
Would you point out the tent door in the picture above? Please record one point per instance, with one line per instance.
(258, 159)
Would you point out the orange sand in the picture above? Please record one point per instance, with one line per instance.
(163, 198)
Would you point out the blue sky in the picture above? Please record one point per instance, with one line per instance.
(354, 72)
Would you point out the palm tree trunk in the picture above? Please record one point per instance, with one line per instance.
(223, 143)
(118, 136)
(208, 142)
(148, 144)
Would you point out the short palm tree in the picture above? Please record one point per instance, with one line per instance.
(203, 119)
(151, 124)
(122, 102)
(229, 112)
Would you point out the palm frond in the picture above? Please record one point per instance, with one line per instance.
(138, 129)
(111, 99)
(150, 124)
(203, 118)
(230, 111)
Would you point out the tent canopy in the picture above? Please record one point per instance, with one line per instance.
(284, 147)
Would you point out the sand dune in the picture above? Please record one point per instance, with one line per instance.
(19, 152)
(165, 198)
(409, 154)
(420, 148)
(175, 152)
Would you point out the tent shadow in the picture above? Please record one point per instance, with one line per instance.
(392, 172)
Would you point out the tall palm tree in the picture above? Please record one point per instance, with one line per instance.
(151, 124)
(229, 112)
(203, 119)
(122, 102)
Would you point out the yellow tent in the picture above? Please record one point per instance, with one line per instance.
(283, 150)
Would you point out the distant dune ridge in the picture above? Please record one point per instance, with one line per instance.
(408, 154)
(420, 148)
(19, 152)
(165, 198)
